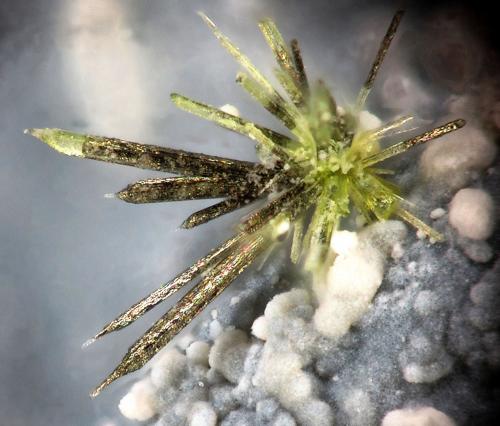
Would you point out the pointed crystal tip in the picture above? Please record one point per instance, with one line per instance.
(188, 223)
(37, 133)
(88, 342)
(68, 143)
(206, 18)
(106, 382)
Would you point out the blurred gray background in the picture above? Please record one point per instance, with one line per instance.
(70, 260)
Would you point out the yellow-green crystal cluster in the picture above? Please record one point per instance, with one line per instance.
(308, 178)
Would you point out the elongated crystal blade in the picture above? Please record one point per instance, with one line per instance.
(299, 66)
(267, 137)
(216, 210)
(68, 143)
(290, 87)
(270, 102)
(323, 119)
(401, 147)
(185, 310)
(242, 59)
(317, 239)
(290, 202)
(379, 58)
(169, 288)
(387, 128)
(418, 224)
(151, 157)
(278, 46)
(181, 188)
(298, 236)
(375, 197)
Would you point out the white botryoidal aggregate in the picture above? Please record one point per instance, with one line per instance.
(287, 352)
(344, 242)
(291, 328)
(273, 378)
(281, 375)
(260, 328)
(168, 369)
(355, 276)
(197, 352)
(141, 402)
(472, 213)
(184, 340)
(246, 393)
(228, 354)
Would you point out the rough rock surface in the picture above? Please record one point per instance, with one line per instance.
(430, 338)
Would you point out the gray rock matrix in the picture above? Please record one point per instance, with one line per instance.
(431, 338)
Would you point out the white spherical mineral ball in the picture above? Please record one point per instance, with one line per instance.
(140, 403)
(472, 213)
(197, 352)
(344, 242)
(421, 416)
(260, 328)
